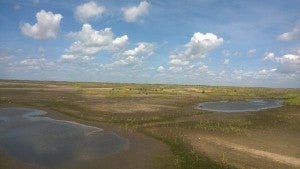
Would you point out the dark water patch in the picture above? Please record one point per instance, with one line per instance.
(30, 136)
(240, 106)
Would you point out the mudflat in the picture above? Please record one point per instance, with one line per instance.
(162, 126)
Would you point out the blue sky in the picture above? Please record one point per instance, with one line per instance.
(203, 42)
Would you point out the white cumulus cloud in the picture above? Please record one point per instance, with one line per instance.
(288, 59)
(46, 27)
(200, 44)
(269, 56)
(68, 57)
(120, 42)
(89, 42)
(252, 75)
(88, 10)
(35, 64)
(197, 48)
(294, 34)
(142, 48)
(288, 63)
(136, 55)
(134, 13)
(160, 69)
(285, 59)
(176, 61)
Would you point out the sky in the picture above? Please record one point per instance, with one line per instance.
(193, 42)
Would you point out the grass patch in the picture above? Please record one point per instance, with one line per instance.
(270, 119)
(69, 109)
(185, 156)
(172, 109)
(293, 99)
(131, 122)
(225, 127)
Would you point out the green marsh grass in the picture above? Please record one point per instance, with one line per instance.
(185, 156)
(182, 98)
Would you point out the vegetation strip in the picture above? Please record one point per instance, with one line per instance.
(272, 156)
(186, 156)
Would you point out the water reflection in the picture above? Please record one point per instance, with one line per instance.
(240, 106)
(30, 136)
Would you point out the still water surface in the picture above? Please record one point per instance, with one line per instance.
(240, 106)
(30, 136)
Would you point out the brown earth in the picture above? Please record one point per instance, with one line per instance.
(266, 139)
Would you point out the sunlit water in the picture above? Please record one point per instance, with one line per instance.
(30, 136)
(240, 106)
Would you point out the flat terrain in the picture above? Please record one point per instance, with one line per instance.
(163, 126)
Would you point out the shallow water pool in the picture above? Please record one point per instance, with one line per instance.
(240, 106)
(32, 137)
